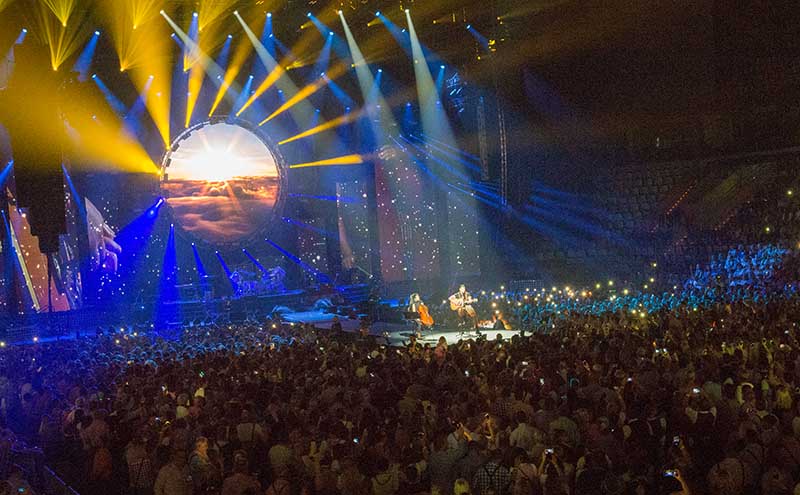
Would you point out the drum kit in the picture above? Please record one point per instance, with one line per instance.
(249, 283)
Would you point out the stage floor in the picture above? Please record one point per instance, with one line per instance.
(395, 333)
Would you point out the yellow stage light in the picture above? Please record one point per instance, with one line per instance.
(341, 160)
(331, 124)
(306, 92)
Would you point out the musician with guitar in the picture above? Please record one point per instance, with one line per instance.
(422, 317)
(461, 302)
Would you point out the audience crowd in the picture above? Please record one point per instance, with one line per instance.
(640, 394)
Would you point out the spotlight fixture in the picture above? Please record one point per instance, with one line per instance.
(378, 13)
(96, 33)
(269, 14)
(162, 12)
(94, 76)
(230, 36)
(194, 14)
(469, 26)
(24, 30)
(441, 67)
(308, 15)
(330, 33)
(380, 70)
(408, 10)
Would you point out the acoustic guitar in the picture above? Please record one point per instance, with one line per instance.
(456, 304)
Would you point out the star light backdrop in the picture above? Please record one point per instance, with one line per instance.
(360, 204)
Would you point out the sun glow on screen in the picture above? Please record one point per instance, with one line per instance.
(222, 182)
(220, 152)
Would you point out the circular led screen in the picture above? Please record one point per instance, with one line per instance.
(222, 182)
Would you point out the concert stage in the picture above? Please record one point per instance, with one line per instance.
(395, 333)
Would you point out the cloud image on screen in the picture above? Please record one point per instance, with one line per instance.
(222, 183)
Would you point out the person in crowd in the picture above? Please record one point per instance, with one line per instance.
(174, 477)
(240, 482)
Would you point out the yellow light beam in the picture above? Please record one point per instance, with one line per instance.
(307, 91)
(331, 124)
(341, 160)
(276, 71)
(94, 126)
(4, 4)
(62, 9)
(271, 79)
(240, 56)
(204, 65)
(140, 11)
(374, 102)
(302, 111)
(434, 119)
(144, 49)
(211, 10)
(153, 58)
(62, 40)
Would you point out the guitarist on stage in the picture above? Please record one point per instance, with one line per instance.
(461, 303)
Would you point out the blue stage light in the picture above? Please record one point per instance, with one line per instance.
(152, 212)
(469, 26)
(269, 14)
(97, 33)
(308, 15)
(94, 76)
(330, 33)
(378, 13)
(230, 36)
